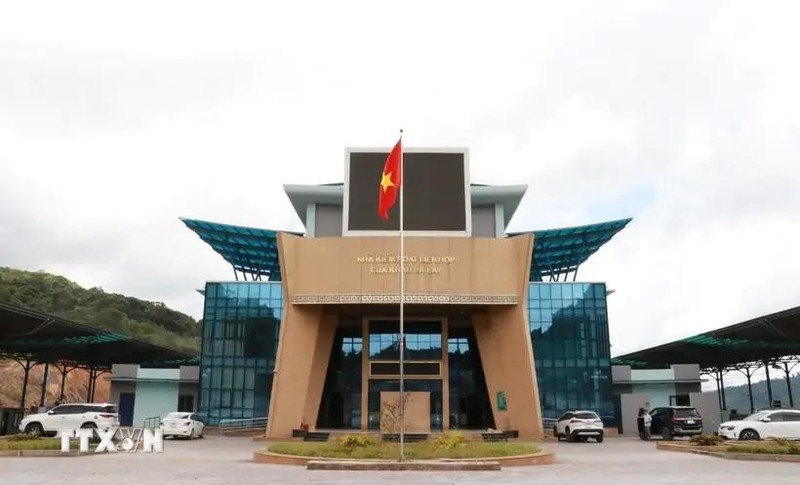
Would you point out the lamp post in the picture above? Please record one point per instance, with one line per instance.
(786, 369)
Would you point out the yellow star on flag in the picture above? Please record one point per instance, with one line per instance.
(386, 181)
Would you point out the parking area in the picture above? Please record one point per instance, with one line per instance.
(221, 460)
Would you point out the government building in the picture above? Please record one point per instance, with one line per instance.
(498, 331)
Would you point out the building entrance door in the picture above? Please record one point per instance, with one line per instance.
(469, 404)
(125, 408)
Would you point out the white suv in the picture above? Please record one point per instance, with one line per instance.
(70, 416)
(578, 426)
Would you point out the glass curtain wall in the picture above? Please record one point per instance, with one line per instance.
(340, 407)
(241, 323)
(423, 342)
(569, 331)
(469, 400)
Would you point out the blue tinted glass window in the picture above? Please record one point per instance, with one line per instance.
(423, 340)
(600, 291)
(571, 349)
(544, 291)
(241, 327)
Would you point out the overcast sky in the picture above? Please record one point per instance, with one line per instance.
(116, 118)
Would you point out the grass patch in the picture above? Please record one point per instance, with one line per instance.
(25, 442)
(706, 440)
(30, 443)
(431, 449)
(777, 447)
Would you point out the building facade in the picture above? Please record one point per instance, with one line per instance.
(143, 393)
(495, 336)
(676, 385)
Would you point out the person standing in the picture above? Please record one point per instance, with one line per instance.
(647, 421)
(643, 423)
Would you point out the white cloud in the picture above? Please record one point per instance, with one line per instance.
(117, 119)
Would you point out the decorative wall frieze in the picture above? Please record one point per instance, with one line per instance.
(388, 298)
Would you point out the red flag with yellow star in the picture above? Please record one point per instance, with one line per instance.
(389, 187)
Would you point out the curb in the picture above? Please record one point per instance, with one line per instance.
(719, 452)
(267, 457)
(40, 453)
(439, 466)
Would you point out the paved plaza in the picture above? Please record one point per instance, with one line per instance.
(221, 460)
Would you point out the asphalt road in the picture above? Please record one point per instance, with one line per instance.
(221, 460)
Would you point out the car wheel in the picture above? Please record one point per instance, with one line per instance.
(600, 439)
(88, 425)
(568, 434)
(666, 433)
(34, 429)
(191, 434)
(749, 435)
(555, 433)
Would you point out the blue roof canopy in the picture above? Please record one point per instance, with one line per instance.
(556, 252)
(249, 250)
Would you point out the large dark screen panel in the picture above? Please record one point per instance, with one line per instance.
(434, 195)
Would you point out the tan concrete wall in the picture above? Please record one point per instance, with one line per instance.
(319, 368)
(504, 344)
(299, 335)
(330, 266)
(508, 366)
(485, 266)
(417, 411)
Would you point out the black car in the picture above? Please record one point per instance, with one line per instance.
(672, 421)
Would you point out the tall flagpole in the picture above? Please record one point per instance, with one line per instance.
(402, 345)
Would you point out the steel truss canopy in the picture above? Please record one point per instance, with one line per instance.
(558, 252)
(30, 335)
(249, 250)
(254, 252)
(768, 338)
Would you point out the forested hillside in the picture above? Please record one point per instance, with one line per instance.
(150, 321)
(738, 397)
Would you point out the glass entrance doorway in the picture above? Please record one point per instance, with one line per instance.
(441, 359)
(470, 407)
(340, 407)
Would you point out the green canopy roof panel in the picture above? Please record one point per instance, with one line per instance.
(249, 250)
(765, 338)
(558, 252)
(254, 251)
(40, 337)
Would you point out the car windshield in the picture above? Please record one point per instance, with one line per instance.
(756, 416)
(177, 416)
(686, 413)
(588, 415)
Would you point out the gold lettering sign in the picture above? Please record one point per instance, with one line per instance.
(412, 264)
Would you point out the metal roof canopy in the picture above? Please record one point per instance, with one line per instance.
(556, 252)
(766, 338)
(27, 334)
(560, 251)
(249, 250)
